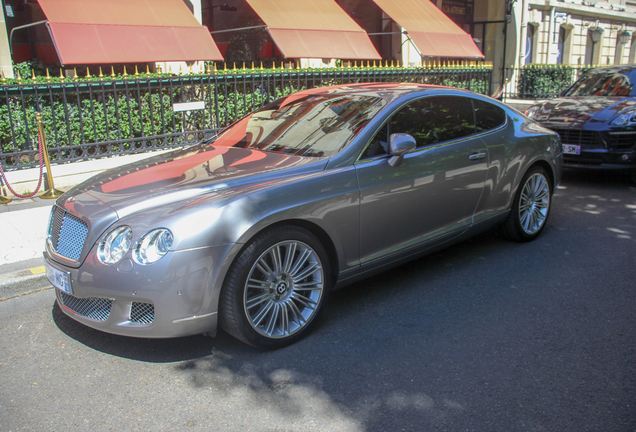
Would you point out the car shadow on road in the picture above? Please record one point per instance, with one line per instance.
(599, 178)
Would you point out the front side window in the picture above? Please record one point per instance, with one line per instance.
(435, 119)
(429, 120)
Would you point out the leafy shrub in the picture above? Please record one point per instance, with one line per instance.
(541, 81)
(85, 118)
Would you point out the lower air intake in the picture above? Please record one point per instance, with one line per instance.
(92, 307)
(142, 313)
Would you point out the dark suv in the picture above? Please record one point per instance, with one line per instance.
(596, 119)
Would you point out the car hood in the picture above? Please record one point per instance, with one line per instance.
(186, 174)
(574, 112)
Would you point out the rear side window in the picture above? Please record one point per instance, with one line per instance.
(488, 116)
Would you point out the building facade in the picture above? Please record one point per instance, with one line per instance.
(575, 32)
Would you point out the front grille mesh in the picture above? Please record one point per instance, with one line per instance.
(67, 233)
(92, 307)
(142, 313)
(586, 139)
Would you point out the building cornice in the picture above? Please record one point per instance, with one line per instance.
(589, 8)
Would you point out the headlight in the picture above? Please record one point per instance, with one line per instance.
(115, 245)
(532, 111)
(152, 246)
(626, 119)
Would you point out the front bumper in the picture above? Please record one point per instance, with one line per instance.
(599, 149)
(601, 159)
(176, 296)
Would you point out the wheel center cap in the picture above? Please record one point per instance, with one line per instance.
(281, 288)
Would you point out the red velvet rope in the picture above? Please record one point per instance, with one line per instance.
(4, 178)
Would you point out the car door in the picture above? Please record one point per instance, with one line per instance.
(436, 189)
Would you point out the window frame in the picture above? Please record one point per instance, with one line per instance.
(476, 134)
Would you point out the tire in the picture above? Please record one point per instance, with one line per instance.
(530, 208)
(275, 288)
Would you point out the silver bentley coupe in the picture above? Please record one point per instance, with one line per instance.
(251, 230)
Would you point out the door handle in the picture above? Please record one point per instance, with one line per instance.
(477, 156)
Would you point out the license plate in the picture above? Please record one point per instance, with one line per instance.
(60, 280)
(571, 149)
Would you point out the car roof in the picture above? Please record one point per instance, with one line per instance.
(389, 91)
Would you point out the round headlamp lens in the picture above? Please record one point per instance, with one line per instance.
(152, 246)
(113, 248)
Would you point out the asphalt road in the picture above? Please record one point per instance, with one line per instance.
(488, 335)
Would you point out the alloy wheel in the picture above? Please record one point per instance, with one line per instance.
(534, 203)
(283, 289)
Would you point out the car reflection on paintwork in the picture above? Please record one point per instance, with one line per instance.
(251, 230)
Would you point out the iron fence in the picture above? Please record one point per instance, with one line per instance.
(540, 81)
(92, 119)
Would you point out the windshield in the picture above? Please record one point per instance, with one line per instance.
(605, 83)
(313, 125)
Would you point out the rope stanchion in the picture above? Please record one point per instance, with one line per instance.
(50, 193)
(32, 194)
(4, 199)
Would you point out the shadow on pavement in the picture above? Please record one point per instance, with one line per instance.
(590, 177)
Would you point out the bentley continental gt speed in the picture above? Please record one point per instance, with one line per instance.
(251, 230)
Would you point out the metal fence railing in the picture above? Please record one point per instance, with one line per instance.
(89, 118)
(540, 81)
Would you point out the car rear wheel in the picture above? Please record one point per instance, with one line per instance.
(531, 206)
(275, 288)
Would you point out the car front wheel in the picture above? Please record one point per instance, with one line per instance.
(531, 207)
(275, 288)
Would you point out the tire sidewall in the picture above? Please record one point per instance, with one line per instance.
(244, 264)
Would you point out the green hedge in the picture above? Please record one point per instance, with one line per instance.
(544, 81)
(120, 114)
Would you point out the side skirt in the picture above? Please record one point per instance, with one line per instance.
(385, 263)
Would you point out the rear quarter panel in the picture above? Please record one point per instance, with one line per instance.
(512, 151)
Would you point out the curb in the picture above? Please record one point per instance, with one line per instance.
(23, 282)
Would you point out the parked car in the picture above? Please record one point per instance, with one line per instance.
(595, 118)
(252, 229)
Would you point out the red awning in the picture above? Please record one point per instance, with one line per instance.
(127, 31)
(314, 29)
(432, 32)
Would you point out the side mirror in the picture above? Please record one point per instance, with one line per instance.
(399, 145)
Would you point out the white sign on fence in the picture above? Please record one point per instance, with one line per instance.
(188, 106)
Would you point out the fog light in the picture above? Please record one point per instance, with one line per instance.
(626, 157)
